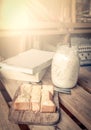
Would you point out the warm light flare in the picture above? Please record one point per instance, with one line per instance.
(19, 20)
(25, 14)
(13, 15)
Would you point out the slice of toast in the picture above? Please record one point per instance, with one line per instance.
(36, 97)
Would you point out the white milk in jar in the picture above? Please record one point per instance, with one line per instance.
(65, 67)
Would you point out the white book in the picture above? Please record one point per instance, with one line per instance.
(11, 74)
(29, 62)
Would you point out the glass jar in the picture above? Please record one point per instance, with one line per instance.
(65, 66)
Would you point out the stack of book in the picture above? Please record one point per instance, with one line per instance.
(29, 66)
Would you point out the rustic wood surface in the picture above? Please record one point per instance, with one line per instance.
(84, 79)
(66, 123)
(5, 124)
(78, 104)
(73, 11)
(11, 87)
(39, 127)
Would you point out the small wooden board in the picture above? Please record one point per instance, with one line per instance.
(30, 117)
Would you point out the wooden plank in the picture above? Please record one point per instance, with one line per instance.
(5, 124)
(80, 28)
(11, 86)
(67, 11)
(67, 123)
(80, 25)
(73, 11)
(32, 127)
(84, 79)
(81, 31)
(79, 104)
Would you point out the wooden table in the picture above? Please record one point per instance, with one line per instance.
(75, 107)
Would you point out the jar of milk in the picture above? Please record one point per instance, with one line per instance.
(65, 66)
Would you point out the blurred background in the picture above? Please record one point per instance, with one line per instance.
(42, 24)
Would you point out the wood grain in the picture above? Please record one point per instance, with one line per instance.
(79, 104)
(73, 13)
(39, 127)
(67, 123)
(5, 124)
(84, 79)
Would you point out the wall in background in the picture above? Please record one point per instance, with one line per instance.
(13, 45)
(10, 46)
